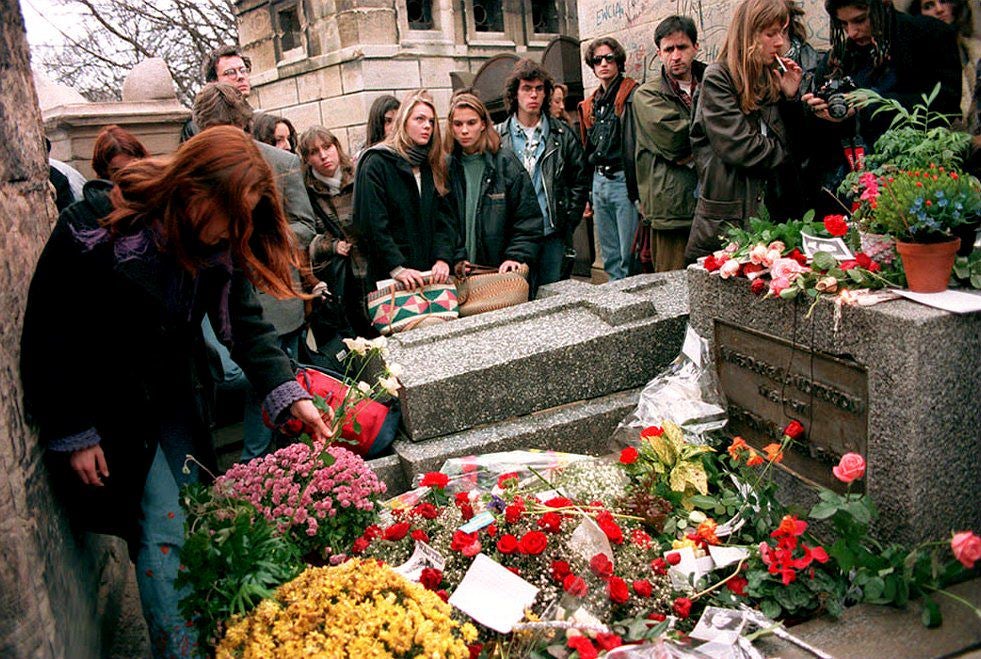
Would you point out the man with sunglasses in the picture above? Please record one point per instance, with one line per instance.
(601, 119)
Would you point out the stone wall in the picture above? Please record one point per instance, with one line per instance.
(57, 598)
(354, 51)
(632, 23)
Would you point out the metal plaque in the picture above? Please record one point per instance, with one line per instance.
(768, 381)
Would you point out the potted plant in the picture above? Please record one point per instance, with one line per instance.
(921, 208)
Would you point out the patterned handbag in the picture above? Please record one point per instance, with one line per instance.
(485, 289)
(397, 308)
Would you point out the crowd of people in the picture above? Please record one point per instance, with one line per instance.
(223, 256)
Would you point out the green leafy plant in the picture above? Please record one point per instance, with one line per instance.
(232, 558)
(664, 456)
(925, 205)
(967, 270)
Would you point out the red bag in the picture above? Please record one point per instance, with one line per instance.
(377, 422)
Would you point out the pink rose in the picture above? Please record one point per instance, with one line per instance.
(850, 467)
(772, 256)
(777, 245)
(729, 269)
(966, 547)
(777, 285)
(757, 254)
(786, 268)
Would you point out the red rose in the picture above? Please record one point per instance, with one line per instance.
(463, 540)
(466, 512)
(657, 617)
(608, 641)
(558, 502)
(851, 467)
(431, 578)
(372, 532)
(798, 256)
(966, 548)
(836, 225)
(617, 590)
(750, 268)
(848, 265)
(506, 480)
(659, 566)
(475, 650)
(560, 570)
(533, 543)
(360, 545)
(435, 479)
(461, 498)
(420, 535)
(574, 585)
(863, 260)
(758, 286)
(551, 522)
(874, 266)
(651, 431)
(682, 607)
(426, 511)
(583, 646)
(794, 430)
(628, 456)
(711, 264)
(737, 585)
(601, 566)
(513, 512)
(643, 587)
(609, 527)
(673, 558)
(492, 530)
(443, 595)
(508, 544)
(396, 532)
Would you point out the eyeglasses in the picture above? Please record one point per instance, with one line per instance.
(599, 59)
(242, 71)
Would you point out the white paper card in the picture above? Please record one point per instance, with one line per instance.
(834, 246)
(422, 557)
(690, 569)
(718, 625)
(724, 556)
(953, 301)
(493, 595)
(692, 347)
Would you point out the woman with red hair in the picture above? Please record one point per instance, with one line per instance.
(115, 369)
(115, 148)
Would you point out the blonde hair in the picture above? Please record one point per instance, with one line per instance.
(489, 141)
(402, 143)
(755, 85)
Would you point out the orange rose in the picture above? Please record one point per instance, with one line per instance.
(773, 452)
(738, 445)
(754, 459)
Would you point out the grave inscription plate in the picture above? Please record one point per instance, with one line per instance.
(767, 381)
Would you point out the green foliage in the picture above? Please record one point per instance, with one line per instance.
(967, 270)
(916, 138)
(668, 458)
(924, 205)
(762, 230)
(232, 560)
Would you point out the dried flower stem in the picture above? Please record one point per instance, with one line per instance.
(708, 590)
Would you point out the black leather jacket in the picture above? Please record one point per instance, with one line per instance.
(565, 175)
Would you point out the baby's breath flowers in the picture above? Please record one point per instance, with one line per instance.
(359, 609)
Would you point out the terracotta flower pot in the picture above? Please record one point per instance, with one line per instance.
(928, 265)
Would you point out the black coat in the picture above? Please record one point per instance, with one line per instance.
(105, 348)
(509, 220)
(565, 176)
(396, 225)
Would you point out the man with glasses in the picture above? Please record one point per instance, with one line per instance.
(601, 127)
(223, 64)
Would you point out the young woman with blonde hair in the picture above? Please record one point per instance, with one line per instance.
(497, 213)
(401, 212)
(738, 134)
(176, 239)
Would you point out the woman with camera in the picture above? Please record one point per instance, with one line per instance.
(175, 240)
(738, 133)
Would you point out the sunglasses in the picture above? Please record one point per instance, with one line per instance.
(599, 59)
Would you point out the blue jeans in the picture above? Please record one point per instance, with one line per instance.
(158, 561)
(257, 437)
(616, 222)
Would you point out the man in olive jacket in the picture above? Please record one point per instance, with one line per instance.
(661, 113)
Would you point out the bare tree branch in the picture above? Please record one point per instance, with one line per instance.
(115, 35)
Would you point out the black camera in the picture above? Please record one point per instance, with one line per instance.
(833, 93)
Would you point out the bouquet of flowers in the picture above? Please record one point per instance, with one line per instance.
(358, 609)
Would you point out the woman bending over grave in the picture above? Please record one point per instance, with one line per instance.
(115, 370)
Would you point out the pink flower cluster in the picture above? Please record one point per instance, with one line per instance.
(306, 490)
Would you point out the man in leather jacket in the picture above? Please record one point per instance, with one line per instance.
(553, 158)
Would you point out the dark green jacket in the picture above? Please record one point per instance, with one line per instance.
(660, 120)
